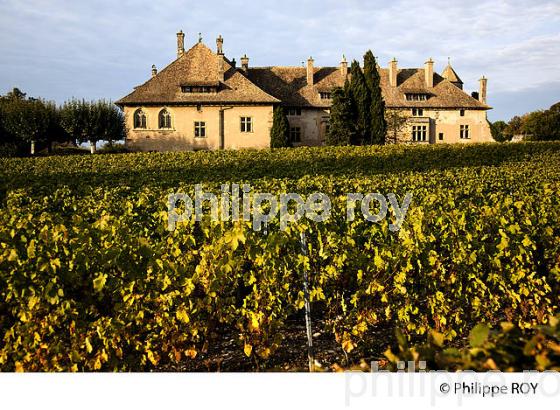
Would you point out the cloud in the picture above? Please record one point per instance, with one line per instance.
(96, 49)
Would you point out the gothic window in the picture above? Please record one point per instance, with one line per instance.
(164, 119)
(139, 119)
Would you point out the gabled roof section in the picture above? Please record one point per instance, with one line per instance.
(450, 75)
(444, 94)
(289, 84)
(198, 66)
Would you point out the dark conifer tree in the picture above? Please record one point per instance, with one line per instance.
(378, 125)
(280, 131)
(341, 127)
(359, 94)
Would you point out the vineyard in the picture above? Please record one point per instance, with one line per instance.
(91, 279)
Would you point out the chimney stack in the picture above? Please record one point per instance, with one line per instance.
(180, 43)
(482, 93)
(245, 63)
(310, 71)
(234, 63)
(220, 45)
(154, 70)
(344, 67)
(429, 73)
(393, 71)
(221, 69)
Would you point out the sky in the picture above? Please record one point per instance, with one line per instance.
(59, 49)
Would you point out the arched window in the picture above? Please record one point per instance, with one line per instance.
(139, 118)
(164, 119)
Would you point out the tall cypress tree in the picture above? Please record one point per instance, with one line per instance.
(280, 131)
(341, 126)
(361, 100)
(378, 125)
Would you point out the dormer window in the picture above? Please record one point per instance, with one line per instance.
(325, 95)
(416, 97)
(199, 89)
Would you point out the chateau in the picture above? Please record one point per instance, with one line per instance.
(203, 100)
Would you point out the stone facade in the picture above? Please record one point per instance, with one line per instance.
(210, 103)
(181, 135)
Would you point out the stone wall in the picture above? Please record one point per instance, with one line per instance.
(181, 135)
(448, 123)
(313, 123)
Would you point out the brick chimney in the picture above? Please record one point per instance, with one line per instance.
(154, 70)
(245, 63)
(180, 43)
(429, 73)
(310, 71)
(483, 88)
(393, 71)
(220, 45)
(344, 67)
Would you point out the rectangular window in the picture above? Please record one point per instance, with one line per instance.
(462, 113)
(294, 111)
(246, 124)
(419, 133)
(295, 134)
(416, 97)
(464, 132)
(204, 89)
(441, 136)
(199, 129)
(418, 112)
(325, 95)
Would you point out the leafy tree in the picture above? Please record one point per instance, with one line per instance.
(280, 131)
(395, 122)
(342, 130)
(378, 124)
(542, 125)
(360, 96)
(73, 117)
(498, 129)
(514, 127)
(15, 95)
(27, 121)
(114, 129)
(92, 122)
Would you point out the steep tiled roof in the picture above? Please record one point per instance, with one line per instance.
(198, 66)
(286, 85)
(449, 74)
(289, 84)
(443, 94)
